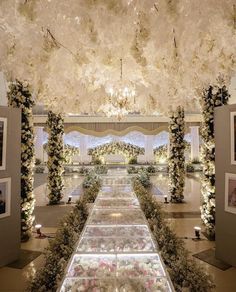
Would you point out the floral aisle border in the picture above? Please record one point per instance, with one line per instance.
(128, 150)
(61, 248)
(19, 96)
(55, 151)
(184, 271)
(211, 98)
(176, 160)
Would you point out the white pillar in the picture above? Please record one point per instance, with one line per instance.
(39, 139)
(149, 153)
(83, 148)
(194, 142)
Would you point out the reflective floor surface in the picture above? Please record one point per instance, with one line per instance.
(15, 280)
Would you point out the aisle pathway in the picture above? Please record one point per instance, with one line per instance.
(116, 251)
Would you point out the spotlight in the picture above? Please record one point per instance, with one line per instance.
(197, 230)
(69, 200)
(166, 199)
(38, 231)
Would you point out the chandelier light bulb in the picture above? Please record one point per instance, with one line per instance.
(120, 97)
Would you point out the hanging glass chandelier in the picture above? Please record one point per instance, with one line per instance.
(121, 97)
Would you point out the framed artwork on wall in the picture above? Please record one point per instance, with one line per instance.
(230, 192)
(3, 143)
(5, 197)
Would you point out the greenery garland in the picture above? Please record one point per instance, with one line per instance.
(185, 273)
(211, 98)
(176, 158)
(55, 153)
(19, 96)
(127, 149)
(61, 248)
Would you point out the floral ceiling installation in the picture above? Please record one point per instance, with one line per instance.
(69, 51)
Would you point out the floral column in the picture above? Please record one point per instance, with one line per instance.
(211, 98)
(176, 157)
(19, 96)
(55, 150)
(168, 146)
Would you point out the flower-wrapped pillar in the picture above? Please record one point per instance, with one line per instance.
(19, 96)
(55, 151)
(176, 158)
(211, 98)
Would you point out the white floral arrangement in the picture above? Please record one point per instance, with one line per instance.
(211, 98)
(161, 152)
(177, 158)
(186, 274)
(69, 152)
(19, 96)
(60, 249)
(127, 149)
(55, 151)
(193, 60)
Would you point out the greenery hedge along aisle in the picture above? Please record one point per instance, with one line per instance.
(61, 248)
(211, 98)
(184, 271)
(55, 153)
(19, 96)
(150, 169)
(176, 158)
(128, 150)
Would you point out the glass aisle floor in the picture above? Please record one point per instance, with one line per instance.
(116, 251)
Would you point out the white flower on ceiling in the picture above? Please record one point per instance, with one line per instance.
(70, 50)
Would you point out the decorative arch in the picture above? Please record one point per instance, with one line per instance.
(127, 149)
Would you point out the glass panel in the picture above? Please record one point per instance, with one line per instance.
(117, 203)
(137, 265)
(135, 245)
(97, 244)
(117, 216)
(92, 266)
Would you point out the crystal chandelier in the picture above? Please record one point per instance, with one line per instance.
(121, 97)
